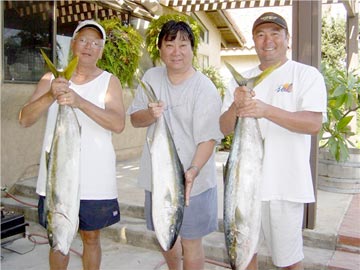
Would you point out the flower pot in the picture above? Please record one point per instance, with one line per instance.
(340, 177)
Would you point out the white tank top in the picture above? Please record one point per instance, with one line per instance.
(98, 159)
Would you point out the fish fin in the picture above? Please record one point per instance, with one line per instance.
(47, 158)
(149, 141)
(225, 169)
(240, 80)
(50, 65)
(149, 91)
(69, 70)
(152, 92)
(238, 215)
(258, 79)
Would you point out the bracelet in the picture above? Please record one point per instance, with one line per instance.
(194, 167)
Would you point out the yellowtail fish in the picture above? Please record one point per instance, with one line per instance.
(242, 175)
(168, 181)
(62, 200)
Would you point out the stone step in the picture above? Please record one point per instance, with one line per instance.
(311, 238)
(25, 187)
(132, 231)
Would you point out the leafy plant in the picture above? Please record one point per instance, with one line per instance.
(333, 40)
(214, 75)
(226, 142)
(122, 52)
(343, 99)
(154, 29)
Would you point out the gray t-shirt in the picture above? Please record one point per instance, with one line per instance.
(192, 111)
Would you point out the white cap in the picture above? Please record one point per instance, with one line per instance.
(90, 23)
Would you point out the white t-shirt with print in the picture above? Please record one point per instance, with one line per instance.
(286, 165)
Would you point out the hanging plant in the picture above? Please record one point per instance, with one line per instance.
(154, 29)
(122, 52)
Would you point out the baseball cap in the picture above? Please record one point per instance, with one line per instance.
(92, 24)
(270, 17)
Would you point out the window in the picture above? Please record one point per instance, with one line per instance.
(204, 32)
(27, 28)
(203, 60)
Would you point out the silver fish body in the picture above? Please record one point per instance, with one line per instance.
(168, 186)
(62, 200)
(242, 204)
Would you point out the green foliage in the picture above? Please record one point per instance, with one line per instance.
(343, 98)
(226, 142)
(215, 77)
(154, 29)
(122, 52)
(343, 90)
(333, 41)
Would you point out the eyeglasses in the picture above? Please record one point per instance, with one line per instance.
(94, 43)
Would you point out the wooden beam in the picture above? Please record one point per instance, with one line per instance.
(206, 5)
(306, 49)
(352, 36)
(233, 27)
(352, 7)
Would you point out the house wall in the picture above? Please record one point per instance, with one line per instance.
(21, 147)
(212, 49)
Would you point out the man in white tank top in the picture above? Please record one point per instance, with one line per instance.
(96, 97)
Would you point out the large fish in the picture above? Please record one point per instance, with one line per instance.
(168, 182)
(242, 175)
(63, 181)
(62, 200)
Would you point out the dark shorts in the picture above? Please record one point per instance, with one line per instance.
(200, 217)
(93, 214)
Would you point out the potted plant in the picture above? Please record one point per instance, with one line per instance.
(343, 89)
(338, 167)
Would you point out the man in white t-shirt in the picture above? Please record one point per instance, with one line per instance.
(290, 104)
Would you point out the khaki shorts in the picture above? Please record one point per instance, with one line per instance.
(281, 229)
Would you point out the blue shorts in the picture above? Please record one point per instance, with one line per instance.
(93, 214)
(200, 217)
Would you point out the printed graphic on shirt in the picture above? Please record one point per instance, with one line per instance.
(286, 87)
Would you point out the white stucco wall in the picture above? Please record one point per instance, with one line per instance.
(21, 147)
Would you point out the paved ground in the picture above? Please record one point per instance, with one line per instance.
(25, 254)
(338, 215)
